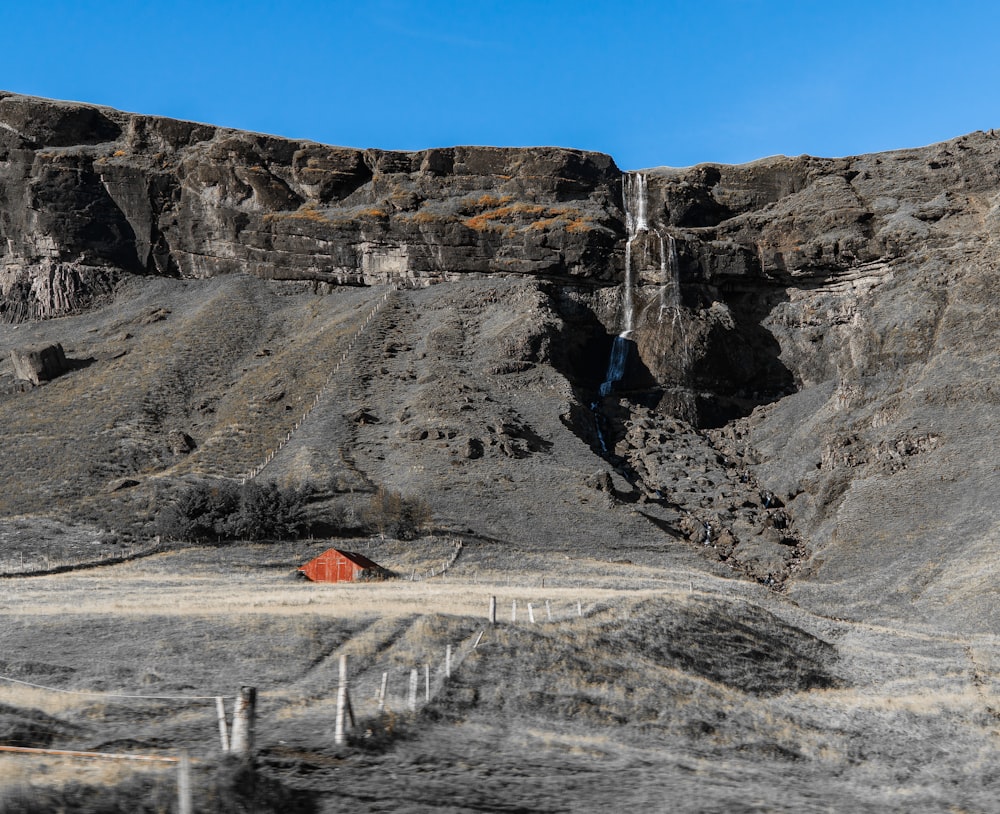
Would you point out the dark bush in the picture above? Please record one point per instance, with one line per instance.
(267, 512)
(209, 512)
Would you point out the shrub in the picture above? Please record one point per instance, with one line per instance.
(215, 511)
(404, 518)
(200, 512)
(267, 512)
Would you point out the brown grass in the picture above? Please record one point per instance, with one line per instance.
(423, 216)
(637, 680)
(506, 218)
(307, 212)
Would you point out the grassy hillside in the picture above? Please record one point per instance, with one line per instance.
(658, 686)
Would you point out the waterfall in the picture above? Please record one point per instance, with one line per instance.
(635, 203)
(670, 291)
(616, 364)
(670, 305)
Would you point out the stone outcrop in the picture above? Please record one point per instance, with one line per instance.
(38, 364)
(88, 194)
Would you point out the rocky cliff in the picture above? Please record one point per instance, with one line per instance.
(806, 385)
(89, 194)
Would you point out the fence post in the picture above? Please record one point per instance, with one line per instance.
(381, 692)
(447, 661)
(413, 689)
(493, 610)
(548, 609)
(579, 608)
(184, 804)
(338, 732)
(223, 733)
(244, 714)
(427, 683)
(531, 614)
(513, 610)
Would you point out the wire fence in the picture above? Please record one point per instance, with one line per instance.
(342, 360)
(16, 564)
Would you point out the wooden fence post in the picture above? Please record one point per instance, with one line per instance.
(244, 715)
(427, 683)
(513, 610)
(531, 614)
(381, 692)
(338, 732)
(447, 661)
(184, 804)
(413, 689)
(548, 609)
(220, 708)
(579, 608)
(493, 610)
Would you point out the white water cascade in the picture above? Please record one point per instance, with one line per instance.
(670, 291)
(616, 364)
(634, 202)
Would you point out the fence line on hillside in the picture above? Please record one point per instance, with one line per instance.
(437, 571)
(43, 565)
(377, 686)
(382, 690)
(387, 687)
(112, 695)
(271, 453)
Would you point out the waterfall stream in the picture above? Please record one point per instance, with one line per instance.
(635, 203)
(641, 243)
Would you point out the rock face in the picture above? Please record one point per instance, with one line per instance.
(807, 386)
(88, 194)
(39, 364)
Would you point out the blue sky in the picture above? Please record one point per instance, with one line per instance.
(674, 83)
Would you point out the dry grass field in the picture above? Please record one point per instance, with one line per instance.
(650, 688)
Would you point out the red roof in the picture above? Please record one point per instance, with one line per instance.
(334, 565)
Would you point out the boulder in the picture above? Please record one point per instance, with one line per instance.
(40, 363)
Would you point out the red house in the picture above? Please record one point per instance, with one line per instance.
(334, 565)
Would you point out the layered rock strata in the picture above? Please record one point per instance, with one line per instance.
(87, 194)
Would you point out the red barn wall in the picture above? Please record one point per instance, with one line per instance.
(331, 567)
